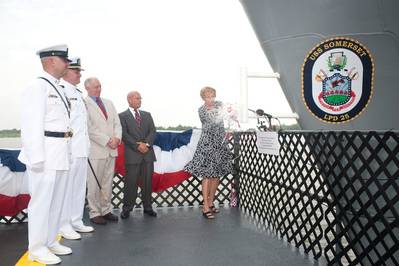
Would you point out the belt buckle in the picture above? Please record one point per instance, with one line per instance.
(68, 134)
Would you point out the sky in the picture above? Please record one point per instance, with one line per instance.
(166, 50)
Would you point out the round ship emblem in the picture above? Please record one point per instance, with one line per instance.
(337, 80)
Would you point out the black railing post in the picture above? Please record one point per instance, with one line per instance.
(236, 165)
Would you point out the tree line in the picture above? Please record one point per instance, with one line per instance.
(10, 133)
(16, 133)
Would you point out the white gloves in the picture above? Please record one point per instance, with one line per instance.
(37, 167)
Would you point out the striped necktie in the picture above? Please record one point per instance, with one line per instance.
(101, 105)
(137, 117)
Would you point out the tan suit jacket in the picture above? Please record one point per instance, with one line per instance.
(102, 129)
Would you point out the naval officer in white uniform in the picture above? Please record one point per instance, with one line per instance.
(46, 138)
(72, 213)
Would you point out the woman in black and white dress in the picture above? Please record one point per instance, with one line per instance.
(212, 158)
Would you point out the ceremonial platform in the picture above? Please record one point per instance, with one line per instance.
(178, 236)
(329, 198)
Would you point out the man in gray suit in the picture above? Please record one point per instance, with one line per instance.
(138, 135)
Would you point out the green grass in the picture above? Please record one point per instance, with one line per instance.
(336, 99)
(10, 133)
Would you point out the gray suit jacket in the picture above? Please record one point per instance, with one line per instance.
(132, 133)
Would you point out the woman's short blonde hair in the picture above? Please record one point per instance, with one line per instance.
(204, 90)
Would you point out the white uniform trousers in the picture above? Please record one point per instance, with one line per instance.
(72, 212)
(47, 192)
(100, 200)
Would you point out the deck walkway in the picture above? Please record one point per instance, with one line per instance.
(178, 236)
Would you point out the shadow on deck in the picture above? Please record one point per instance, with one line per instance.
(178, 236)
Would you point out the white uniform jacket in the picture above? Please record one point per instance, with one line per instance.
(80, 140)
(102, 129)
(44, 109)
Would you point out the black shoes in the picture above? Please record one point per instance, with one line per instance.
(125, 214)
(98, 220)
(208, 215)
(151, 213)
(214, 209)
(103, 219)
(111, 217)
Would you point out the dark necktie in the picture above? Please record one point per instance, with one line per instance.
(137, 117)
(101, 105)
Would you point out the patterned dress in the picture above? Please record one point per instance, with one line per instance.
(212, 158)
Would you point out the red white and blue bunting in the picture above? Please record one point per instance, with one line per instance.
(173, 151)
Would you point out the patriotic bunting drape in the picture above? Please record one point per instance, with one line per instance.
(173, 151)
(14, 195)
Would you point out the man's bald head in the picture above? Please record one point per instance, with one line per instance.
(134, 99)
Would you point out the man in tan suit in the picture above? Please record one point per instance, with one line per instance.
(105, 133)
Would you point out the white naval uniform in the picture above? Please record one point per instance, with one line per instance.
(47, 160)
(76, 189)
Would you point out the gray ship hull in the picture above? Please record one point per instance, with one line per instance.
(288, 30)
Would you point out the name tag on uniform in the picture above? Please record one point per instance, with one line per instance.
(52, 96)
(73, 99)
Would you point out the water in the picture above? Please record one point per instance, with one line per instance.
(10, 143)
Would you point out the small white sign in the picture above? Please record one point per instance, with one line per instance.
(267, 142)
